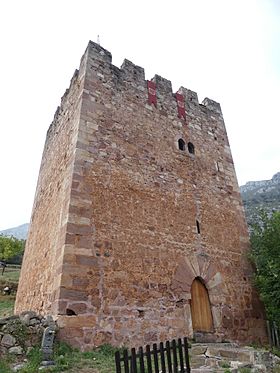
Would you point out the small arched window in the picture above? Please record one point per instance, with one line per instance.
(181, 144)
(191, 147)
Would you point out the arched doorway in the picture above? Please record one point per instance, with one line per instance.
(202, 320)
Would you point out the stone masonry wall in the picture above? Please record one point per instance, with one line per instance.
(40, 276)
(134, 250)
(131, 249)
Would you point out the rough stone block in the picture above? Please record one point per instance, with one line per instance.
(198, 349)
(8, 340)
(198, 361)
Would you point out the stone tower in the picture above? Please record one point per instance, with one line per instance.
(138, 232)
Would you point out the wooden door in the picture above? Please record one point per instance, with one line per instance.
(200, 307)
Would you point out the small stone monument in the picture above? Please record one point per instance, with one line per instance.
(47, 346)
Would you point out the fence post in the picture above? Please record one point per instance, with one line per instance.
(186, 350)
(162, 358)
(269, 333)
(276, 334)
(149, 360)
(133, 361)
(168, 354)
(141, 358)
(175, 360)
(125, 360)
(155, 357)
(181, 357)
(118, 362)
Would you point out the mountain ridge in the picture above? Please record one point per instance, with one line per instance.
(261, 195)
(19, 232)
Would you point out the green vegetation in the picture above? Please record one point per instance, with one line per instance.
(10, 279)
(276, 351)
(11, 275)
(244, 370)
(18, 329)
(68, 359)
(225, 364)
(6, 306)
(10, 247)
(71, 360)
(4, 367)
(265, 239)
(34, 360)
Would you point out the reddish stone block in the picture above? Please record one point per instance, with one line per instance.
(78, 308)
(79, 229)
(87, 261)
(78, 281)
(73, 294)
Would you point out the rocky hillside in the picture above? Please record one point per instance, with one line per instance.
(263, 194)
(19, 232)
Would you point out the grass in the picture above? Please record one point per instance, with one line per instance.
(6, 306)
(101, 359)
(4, 368)
(9, 278)
(276, 351)
(11, 274)
(68, 359)
(225, 364)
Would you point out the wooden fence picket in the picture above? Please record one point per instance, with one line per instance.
(166, 358)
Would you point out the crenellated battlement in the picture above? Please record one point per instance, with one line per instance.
(101, 59)
(131, 75)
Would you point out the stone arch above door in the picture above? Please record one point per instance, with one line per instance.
(192, 267)
(203, 267)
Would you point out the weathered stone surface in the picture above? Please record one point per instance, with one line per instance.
(236, 359)
(48, 321)
(198, 350)
(34, 322)
(18, 367)
(25, 317)
(8, 340)
(125, 218)
(20, 334)
(6, 319)
(16, 350)
(230, 354)
(198, 361)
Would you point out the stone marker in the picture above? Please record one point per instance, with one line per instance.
(47, 346)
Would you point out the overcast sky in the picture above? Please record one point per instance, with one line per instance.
(228, 51)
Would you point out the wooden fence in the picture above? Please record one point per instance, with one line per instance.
(171, 358)
(273, 334)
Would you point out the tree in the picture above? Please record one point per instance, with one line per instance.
(265, 240)
(10, 247)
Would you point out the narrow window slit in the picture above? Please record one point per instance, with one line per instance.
(197, 226)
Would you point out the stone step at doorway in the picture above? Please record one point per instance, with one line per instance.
(229, 357)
